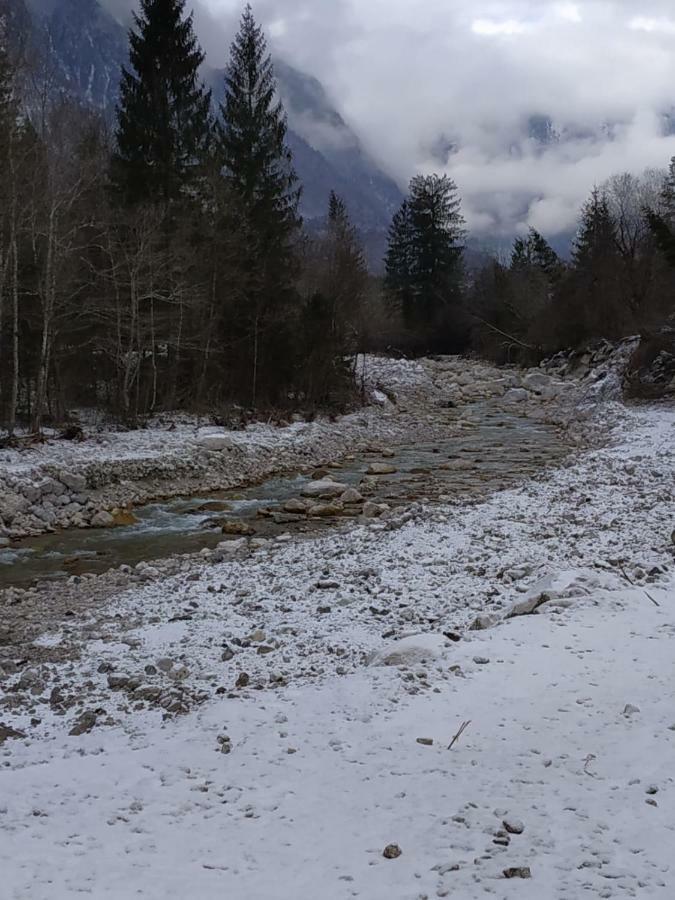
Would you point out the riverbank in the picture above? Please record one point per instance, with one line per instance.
(262, 725)
(97, 482)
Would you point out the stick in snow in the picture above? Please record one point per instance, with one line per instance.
(461, 731)
(631, 582)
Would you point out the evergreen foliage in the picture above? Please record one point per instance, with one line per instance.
(164, 121)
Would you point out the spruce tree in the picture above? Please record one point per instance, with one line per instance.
(424, 259)
(164, 123)
(596, 238)
(399, 261)
(252, 137)
(534, 252)
(258, 169)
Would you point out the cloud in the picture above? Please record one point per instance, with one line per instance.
(469, 75)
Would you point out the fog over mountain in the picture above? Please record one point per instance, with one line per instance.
(526, 104)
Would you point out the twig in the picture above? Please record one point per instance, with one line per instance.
(632, 583)
(461, 731)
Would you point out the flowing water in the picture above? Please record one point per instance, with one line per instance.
(492, 454)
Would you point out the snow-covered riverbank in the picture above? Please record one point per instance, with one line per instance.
(297, 757)
(61, 484)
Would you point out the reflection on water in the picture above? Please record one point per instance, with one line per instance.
(497, 450)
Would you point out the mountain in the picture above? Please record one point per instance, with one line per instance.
(82, 48)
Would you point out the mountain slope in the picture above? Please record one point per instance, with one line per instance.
(84, 48)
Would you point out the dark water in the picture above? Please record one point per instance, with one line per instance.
(489, 456)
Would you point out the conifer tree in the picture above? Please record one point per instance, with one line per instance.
(163, 119)
(252, 137)
(534, 252)
(424, 259)
(596, 238)
(258, 168)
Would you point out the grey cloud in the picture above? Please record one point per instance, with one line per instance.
(413, 76)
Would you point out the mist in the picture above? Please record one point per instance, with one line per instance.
(451, 85)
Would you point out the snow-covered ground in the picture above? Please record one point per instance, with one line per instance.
(297, 660)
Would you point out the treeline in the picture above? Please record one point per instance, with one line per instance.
(619, 280)
(165, 266)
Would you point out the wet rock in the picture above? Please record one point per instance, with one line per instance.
(382, 469)
(123, 517)
(102, 520)
(351, 495)
(326, 510)
(237, 527)
(323, 489)
(296, 507)
(392, 851)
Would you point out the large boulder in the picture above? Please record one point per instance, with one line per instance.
(11, 505)
(517, 395)
(377, 468)
(74, 482)
(215, 441)
(323, 489)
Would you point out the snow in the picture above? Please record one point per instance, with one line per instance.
(325, 767)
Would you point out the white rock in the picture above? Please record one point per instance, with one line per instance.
(102, 520)
(215, 441)
(74, 482)
(323, 489)
(410, 650)
(516, 395)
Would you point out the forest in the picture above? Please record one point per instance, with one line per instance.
(162, 264)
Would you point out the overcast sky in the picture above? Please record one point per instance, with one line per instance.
(411, 76)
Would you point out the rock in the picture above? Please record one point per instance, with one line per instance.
(11, 505)
(228, 549)
(529, 606)
(652, 789)
(409, 651)
(351, 495)
(84, 723)
(326, 510)
(7, 732)
(102, 520)
(513, 826)
(483, 622)
(630, 710)
(392, 851)
(388, 453)
(4, 543)
(237, 527)
(481, 660)
(426, 742)
(373, 510)
(537, 381)
(118, 682)
(296, 507)
(516, 395)
(323, 489)
(215, 441)
(74, 482)
(165, 664)
(258, 637)
(243, 680)
(227, 654)
(518, 872)
(123, 517)
(381, 469)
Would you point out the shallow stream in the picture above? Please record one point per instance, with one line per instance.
(490, 454)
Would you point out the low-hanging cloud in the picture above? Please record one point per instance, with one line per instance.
(467, 76)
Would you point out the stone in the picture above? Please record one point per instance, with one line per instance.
(123, 518)
(392, 851)
(74, 482)
(483, 622)
(237, 527)
(373, 510)
(84, 724)
(118, 682)
(516, 395)
(537, 381)
(296, 507)
(4, 543)
(630, 710)
(513, 826)
(215, 441)
(11, 505)
(323, 489)
(257, 637)
(351, 495)
(243, 680)
(165, 664)
(409, 651)
(518, 872)
(426, 742)
(326, 510)
(102, 520)
(481, 660)
(7, 732)
(381, 469)
(227, 654)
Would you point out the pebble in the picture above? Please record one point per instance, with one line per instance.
(518, 872)
(392, 851)
(513, 826)
(426, 742)
(481, 660)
